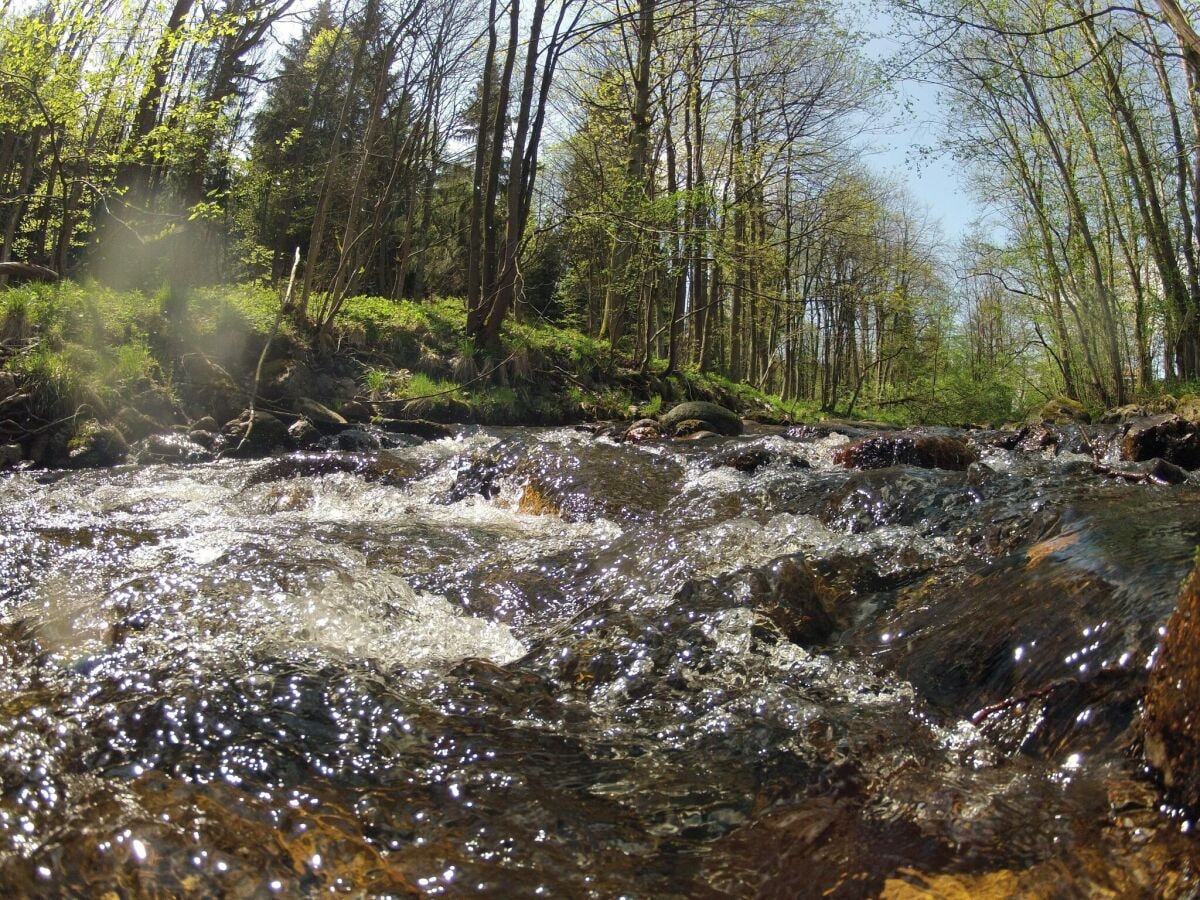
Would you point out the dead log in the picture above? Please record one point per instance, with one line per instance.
(27, 272)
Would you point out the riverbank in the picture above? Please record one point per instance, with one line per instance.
(87, 372)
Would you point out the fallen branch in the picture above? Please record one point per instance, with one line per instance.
(27, 271)
(283, 306)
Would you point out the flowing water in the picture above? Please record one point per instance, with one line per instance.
(539, 663)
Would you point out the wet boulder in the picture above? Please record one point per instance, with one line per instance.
(354, 411)
(1063, 410)
(321, 416)
(641, 430)
(10, 455)
(1168, 437)
(256, 435)
(1170, 722)
(745, 459)
(1163, 472)
(95, 446)
(715, 417)
(356, 440)
(1081, 596)
(305, 434)
(922, 451)
(558, 479)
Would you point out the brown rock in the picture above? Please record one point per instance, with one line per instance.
(355, 411)
(1167, 436)
(642, 430)
(320, 415)
(1122, 414)
(922, 451)
(1171, 717)
(746, 459)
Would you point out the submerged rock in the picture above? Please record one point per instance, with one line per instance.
(754, 457)
(422, 428)
(923, 451)
(308, 465)
(715, 417)
(1171, 722)
(171, 447)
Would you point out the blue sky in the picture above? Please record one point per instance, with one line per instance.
(894, 144)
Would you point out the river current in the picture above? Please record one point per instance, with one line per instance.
(537, 662)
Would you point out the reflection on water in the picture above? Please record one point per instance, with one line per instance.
(534, 663)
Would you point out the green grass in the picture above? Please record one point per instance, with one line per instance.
(381, 320)
(422, 387)
(651, 407)
(75, 340)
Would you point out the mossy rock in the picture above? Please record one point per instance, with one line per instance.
(1188, 407)
(1063, 411)
(717, 418)
(95, 445)
(135, 424)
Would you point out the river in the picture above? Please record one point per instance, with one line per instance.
(536, 662)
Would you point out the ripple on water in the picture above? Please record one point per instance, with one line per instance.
(240, 679)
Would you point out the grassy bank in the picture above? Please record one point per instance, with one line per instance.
(75, 353)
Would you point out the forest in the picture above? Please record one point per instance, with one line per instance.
(684, 180)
